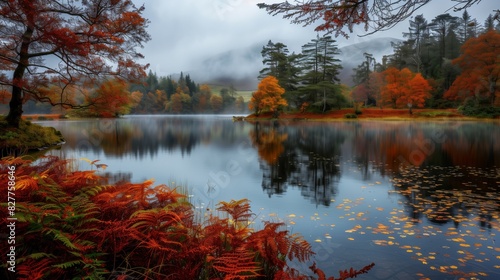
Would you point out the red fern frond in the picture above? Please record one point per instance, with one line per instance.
(237, 265)
(239, 210)
(34, 269)
(346, 274)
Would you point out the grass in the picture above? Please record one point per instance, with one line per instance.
(27, 137)
(371, 113)
(246, 94)
(437, 113)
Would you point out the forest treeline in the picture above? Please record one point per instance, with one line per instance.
(152, 95)
(446, 62)
(183, 96)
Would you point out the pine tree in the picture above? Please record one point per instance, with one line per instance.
(320, 73)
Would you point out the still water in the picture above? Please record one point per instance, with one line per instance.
(420, 199)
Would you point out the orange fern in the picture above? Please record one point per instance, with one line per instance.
(237, 265)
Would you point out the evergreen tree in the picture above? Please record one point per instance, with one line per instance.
(416, 35)
(191, 85)
(320, 74)
(280, 64)
(152, 81)
(442, 25)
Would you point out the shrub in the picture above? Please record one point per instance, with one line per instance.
(475, 108)
(350, 116)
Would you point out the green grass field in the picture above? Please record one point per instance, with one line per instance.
(246, 94)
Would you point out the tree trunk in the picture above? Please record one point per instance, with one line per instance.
(16, 101)
(16, 107)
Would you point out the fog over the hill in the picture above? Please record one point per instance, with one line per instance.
(225, 36)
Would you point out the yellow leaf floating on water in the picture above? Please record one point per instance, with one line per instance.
(291, 216)
(350, 238)
(318, 240)
(380, 242)
(354, 229)
(464, 245)
(459, 239)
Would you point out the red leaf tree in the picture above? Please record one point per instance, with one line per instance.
(111, 99)
(480, 65)
(66, 42)
(404, 88)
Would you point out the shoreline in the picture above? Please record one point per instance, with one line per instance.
(371, 114)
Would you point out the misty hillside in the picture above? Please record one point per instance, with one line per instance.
(240, 67)
(352, 55)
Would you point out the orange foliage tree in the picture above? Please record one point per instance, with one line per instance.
(419, 91)
(480, 65)
(4, 96)
(404, 88)
(216, 103)
(202, 99)
(268, 97)
(111, 99)
(85, 41)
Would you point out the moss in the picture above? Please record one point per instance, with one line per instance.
(27, 137)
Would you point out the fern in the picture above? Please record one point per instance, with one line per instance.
(69, 264)
(237, 265)
(75, 226)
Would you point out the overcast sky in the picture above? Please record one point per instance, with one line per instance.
(186, 32)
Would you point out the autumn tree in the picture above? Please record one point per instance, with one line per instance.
(375, 84)
(84, 41)
(268, 97)
(216, 103)
(360, 93)
(480, 65)
(4, 96)
(419, 92)
(403, 88)
(110, 99)
(175, 103)
(201, 99)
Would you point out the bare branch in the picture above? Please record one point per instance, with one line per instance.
(340, 16)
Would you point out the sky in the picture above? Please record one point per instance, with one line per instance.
(185, 33)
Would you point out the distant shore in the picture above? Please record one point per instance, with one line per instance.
(371, 113)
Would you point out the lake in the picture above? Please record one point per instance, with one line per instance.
(420, 199)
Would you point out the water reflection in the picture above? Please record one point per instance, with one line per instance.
(420, 198)
(305, 157)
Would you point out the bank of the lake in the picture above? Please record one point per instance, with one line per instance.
(370, 114)
(27, 138)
